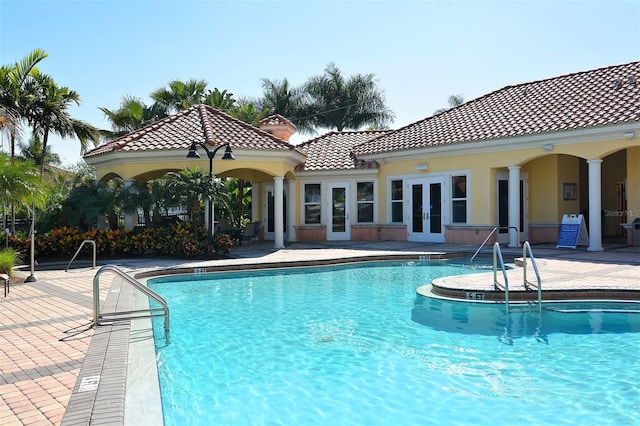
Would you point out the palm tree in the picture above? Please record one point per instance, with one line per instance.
(351, 103)
(13, 98)
(220, 100)
(48, 113)
(180, 95)
(235, 201)
(132, 115)
(189, 188)
(33, 151)
(245, 110)
(137, 196)
(454, 101)
(20, 183)
(290, 102)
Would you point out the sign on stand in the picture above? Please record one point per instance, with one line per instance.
(573, 232)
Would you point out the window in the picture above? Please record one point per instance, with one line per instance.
(365, 202)
(459, 199)
(312, 197)
(397, 215)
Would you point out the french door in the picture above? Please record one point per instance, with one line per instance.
(503, 207)
(426, 218)
(338, 220)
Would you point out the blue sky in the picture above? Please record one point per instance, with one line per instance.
(421, 52)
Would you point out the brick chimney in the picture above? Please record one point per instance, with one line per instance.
(278, 126)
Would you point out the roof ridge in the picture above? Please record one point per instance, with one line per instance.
(246, 125)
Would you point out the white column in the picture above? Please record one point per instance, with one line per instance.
(130, 219)
(278, 213)
(595, 205)
(514, 205)
(256, 190)
(102, 221)
(291, 210)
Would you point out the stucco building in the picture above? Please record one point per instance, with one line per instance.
(518, 158)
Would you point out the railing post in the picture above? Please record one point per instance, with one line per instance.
(96, 297)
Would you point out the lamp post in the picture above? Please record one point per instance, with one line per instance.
(228, 155)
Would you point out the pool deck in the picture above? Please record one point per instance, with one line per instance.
(46, 344)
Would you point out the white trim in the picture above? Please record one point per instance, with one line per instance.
(348, 187)
(326, 175)
(291, 158)
(375, 201)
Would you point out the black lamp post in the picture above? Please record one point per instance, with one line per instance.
(228, 155)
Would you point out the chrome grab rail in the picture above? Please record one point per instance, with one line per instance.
(489, 236)
(93, 243)
(99, 318)
(497, 254)
(526, 248)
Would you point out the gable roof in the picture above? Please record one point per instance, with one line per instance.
(600, 97)
(333, 151)
(197, 123)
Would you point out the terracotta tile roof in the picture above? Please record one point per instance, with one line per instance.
(274, 120)
(197, 123)
(333, 151)
(582, 100)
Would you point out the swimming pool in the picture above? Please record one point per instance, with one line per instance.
(355, 344)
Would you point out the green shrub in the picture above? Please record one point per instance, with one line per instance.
(8, 259)
(176, 240)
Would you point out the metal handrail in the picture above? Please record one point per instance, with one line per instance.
(99, 318)
(489, 236)
(78, 251)
(526, 248)
(497, 254)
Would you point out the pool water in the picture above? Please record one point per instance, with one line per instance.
(355, 345)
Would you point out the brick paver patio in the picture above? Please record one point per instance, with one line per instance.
(44, 333)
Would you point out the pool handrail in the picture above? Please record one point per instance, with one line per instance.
(93, 243)
(497, 255)
(526, 249)
(493, 231)
(99, 317)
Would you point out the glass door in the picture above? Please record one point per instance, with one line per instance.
(338, 223)
(425, 206)
(503, 207)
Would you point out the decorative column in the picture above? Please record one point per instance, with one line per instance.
(291, 210)
(256, 190)
(278, 213)
(595, 205)
(102, 221)
(130, 219)
(514, 206)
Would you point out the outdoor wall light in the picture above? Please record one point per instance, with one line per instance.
(629, 135)
(548, 147)
(422, 166)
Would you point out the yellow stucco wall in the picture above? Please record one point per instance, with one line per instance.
(568, 173)
(542, 187)
(244, 169)
(546, 171)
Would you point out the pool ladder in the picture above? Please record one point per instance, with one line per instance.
(498, 260)
(100, 318)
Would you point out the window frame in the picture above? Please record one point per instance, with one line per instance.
(315, 203)
(456, 199)
(393, 201)
(368, 202)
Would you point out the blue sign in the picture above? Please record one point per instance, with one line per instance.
(572, 232)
